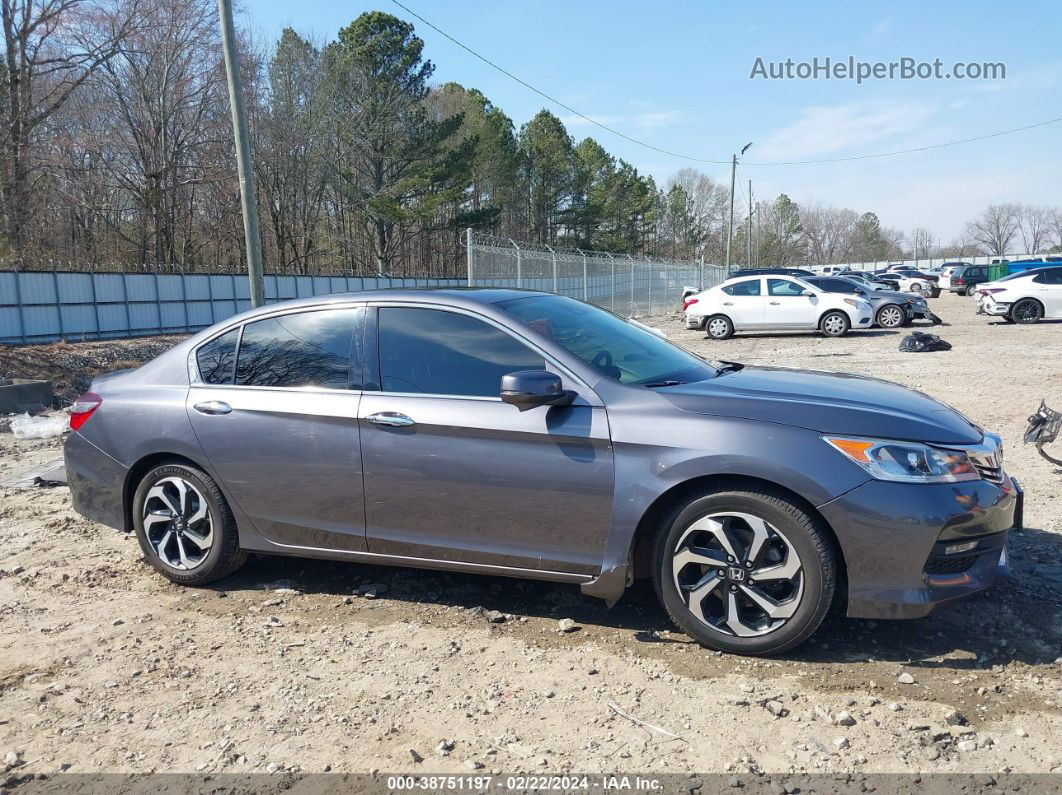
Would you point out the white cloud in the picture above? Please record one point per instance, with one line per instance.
(848, 129)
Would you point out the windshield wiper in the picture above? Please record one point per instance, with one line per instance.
(652, 384)
(728, 367)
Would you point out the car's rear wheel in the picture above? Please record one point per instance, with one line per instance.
(835, 324)
(745, 570)
(891, 316)
(1027, 310)
(719, 327)
(916, 288)
(184, 525)
(971, 289)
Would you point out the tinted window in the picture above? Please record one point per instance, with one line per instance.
(784, 287)
(217, 357)
(751, 287)
(444, 353)
(1049, 276)
(302, 349)
(612, 346)
(840, 286)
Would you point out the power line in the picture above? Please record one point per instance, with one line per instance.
(681, 156)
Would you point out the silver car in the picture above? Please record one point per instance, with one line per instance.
(892, 309)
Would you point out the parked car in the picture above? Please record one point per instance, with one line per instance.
(1023, 297)
(770, 272)
(964, 280)
(830, 270)
(869, 280)
(891, 309)
(763, 303)
(517, 433)
(910, 284)
(947, 269)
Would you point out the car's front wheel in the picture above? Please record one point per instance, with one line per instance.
(184, 525)
(835, 324)
(745, 570)
(719, 327)
(891, 316)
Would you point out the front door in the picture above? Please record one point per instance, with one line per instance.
(787, 306)
(453, 473)
(278, 422)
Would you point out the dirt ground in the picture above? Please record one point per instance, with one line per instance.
(310, 666)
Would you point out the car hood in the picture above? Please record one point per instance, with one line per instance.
(893, 295)
(834, 403)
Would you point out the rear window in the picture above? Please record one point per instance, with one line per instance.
(217, 358)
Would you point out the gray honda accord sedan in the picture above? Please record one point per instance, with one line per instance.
(520, 433)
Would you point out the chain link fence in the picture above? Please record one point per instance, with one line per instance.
(622, 283)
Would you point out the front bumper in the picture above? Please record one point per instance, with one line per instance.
(911, 549)
(97, 482)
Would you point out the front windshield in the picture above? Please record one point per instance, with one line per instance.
(607, 343)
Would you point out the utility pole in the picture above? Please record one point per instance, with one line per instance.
(243, 155)
(730, 225)
(750, 225)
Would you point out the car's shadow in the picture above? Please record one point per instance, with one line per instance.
(1043, 322)
(879, 332)
(1019, 619)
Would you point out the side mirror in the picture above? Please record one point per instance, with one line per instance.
(808, 292)
(529, 389)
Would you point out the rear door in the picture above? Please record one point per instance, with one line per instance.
(787, 306)
(454, 474)
(743, 303)
(277, 418)
(1048, 287)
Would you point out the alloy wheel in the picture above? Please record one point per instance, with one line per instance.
(890, 317)
(916, 288)
(1026, 312)
(738, 575)
(177, 523)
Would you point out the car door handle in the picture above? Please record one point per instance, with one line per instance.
(776, 303)
(391, 419)
(728, 303)
(213, 407)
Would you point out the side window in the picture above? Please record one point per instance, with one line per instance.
(301, 349)
(217, 358)
(1050, 276)
(783, 287)
(750, 287)
(445, 353)
(840, 286)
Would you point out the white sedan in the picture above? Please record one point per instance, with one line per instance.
(1023, 297)
(774, 303)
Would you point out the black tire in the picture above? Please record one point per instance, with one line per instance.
(892, 316)
(1026, 311)
(224, 555)
(831, 328)
(801, 532)
(916, 288)
(970, 289)
(719, 327)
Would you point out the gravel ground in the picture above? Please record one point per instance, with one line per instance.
(304, 665)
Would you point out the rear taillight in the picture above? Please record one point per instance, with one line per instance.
(993, 290)
(957, 280)
(688, 303)
(83, 408)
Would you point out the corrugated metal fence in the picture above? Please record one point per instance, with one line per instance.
(44, 306)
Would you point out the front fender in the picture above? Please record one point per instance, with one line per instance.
(652, 458)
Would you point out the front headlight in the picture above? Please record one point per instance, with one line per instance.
(905, 462)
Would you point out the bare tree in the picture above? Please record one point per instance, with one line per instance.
(921, 242)
(51, 47)
(829, 232)
(1034, 226)
(995, 229)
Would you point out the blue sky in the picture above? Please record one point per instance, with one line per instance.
(675, 73)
